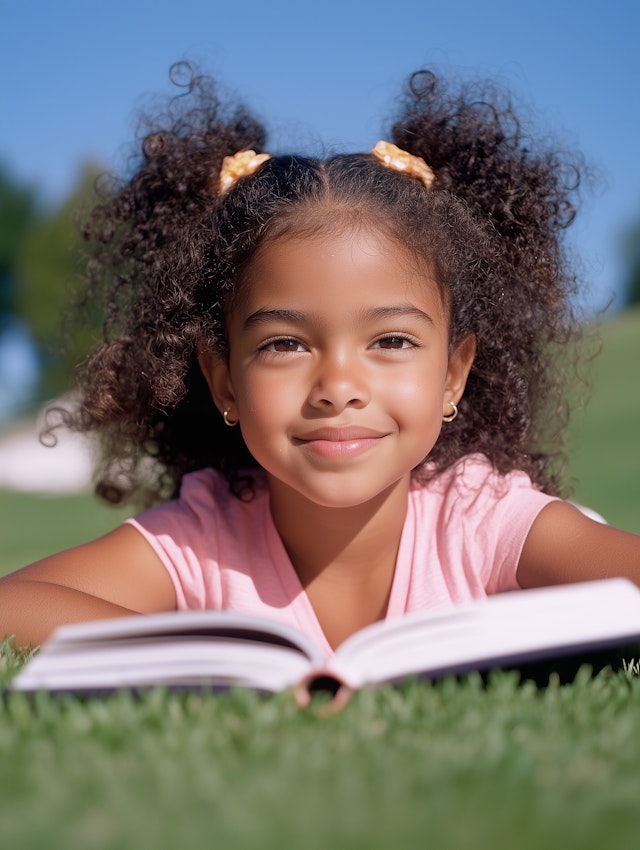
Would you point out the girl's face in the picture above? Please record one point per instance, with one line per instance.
(339, 368)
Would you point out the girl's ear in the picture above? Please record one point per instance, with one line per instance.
(460, 363)
(215, 369)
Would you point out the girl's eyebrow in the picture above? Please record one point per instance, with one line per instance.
(398, 310)
(372, 314)
(261, 316)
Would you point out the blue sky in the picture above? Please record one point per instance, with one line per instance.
(75, 73)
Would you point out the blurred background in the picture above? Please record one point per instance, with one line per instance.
(76, 75)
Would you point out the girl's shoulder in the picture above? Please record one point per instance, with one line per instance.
(474, 485)
(470, 472)
(206, 493)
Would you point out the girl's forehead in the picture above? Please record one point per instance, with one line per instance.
(360, 265)
(348, 245)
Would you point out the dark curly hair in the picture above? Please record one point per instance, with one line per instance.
(168, 253)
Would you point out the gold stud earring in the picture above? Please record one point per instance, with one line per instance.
(452, 415)
(227, 421)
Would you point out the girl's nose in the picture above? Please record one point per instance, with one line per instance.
(340, 381)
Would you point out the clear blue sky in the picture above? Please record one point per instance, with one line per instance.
(75, 72)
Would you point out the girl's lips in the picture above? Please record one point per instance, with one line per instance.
(340, 442)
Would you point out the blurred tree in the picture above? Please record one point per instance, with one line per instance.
(631, 247)
(17, 214)
(48, 266)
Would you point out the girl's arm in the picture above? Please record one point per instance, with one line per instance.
(563, 546)
(116, 575)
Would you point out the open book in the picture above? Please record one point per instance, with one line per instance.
(218, 649)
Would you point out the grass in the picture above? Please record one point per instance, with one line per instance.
(453, 764)
(32, 526)
(605, 459)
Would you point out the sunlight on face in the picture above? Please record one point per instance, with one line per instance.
(338, 367)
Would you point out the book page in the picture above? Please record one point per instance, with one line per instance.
(190, 648)
(187, 663)
(509, 627)
(181, 624)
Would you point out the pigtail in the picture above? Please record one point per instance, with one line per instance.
(478, 146)
(524, 193)
(149, 241)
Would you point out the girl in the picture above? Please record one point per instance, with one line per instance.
(340, 379)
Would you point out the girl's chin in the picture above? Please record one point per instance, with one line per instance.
(339, 495)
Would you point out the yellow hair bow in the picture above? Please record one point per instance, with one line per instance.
(394, 157)
(241, 164)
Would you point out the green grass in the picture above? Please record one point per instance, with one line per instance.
(32, 526)
(455, 764)
(605, 460)
(449, 765)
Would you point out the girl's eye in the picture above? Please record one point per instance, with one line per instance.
(393, 342)
(283, 345)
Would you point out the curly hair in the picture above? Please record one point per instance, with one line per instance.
(169, 254)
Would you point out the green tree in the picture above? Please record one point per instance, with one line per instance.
(631, 249)
(17, 214)
(47, 268)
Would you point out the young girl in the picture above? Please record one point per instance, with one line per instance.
(340, 379)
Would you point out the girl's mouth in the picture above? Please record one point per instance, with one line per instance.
(344, 442)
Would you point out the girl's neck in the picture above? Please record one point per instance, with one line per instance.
(318, 538)
(344, 557)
